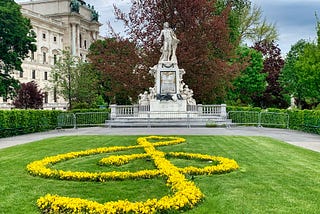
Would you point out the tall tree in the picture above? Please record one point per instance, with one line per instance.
(251, 82)
(16, 40)
(300, 76)
(84, 86)
(308, 73)
(247, 23)
(74, 80)
(204, 51)
(254, 27)
(121, 74)
(29, 96)
(272, 65)
(234, 20)
(289, 76)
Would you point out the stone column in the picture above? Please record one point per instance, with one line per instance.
(78, 39)
(200, 109)
(113, 108)
(135, 110)
(73, 39)
(223, 110)
(94, 35)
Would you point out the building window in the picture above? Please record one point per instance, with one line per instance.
(44, 57)
(43, 36)
(55, 59)
(85, 44)
(45, 97)
(45, 75)
(55, 39)
(33, 74)
(55, 95)
(21, 74)
(32, 55)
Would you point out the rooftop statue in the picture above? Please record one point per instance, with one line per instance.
(170, 43)
(74, 6)
(94, 14)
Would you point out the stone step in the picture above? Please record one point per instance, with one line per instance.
(167, 122)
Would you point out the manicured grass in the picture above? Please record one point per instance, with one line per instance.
(274, 177)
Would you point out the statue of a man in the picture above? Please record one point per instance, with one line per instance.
(170, 43)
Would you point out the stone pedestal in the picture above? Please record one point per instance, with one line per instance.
(167, 78)
(168, 106)
(170, 93)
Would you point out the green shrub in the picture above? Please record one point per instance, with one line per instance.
(89, 110)
(303, 120)
(16, 122)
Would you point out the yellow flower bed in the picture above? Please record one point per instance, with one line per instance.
(185, 193)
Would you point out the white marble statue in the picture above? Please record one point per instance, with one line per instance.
(153, 71)
(292, 103)
(170, 43)
(190, 100)
(187, 94)
(152, 93)
(144, 99)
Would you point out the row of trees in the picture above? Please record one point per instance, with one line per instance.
(219, 66)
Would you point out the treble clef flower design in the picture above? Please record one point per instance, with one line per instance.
(185, 193)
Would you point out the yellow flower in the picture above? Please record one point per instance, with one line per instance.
(185, 193)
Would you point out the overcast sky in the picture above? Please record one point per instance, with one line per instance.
(294, 19)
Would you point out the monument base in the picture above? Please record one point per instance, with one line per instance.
(178, 106)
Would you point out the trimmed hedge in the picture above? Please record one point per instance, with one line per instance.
(89, 110)
(303, 120)
(17, 122)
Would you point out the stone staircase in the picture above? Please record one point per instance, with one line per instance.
(211, 121)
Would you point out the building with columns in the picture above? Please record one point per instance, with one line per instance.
(58, 24)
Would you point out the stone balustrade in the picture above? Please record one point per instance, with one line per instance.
(118, 111)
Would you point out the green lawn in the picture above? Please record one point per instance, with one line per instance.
(274, 177)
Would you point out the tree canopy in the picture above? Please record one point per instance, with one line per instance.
(121, 74)
(300, 76)
(16, 40)
(251, 83)
(289, 78)
(254, 27)
(308, 73)
(74, 80)
(272, 65)
(247, 23)
(29, 97)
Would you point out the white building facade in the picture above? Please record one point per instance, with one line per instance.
(58, 24)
